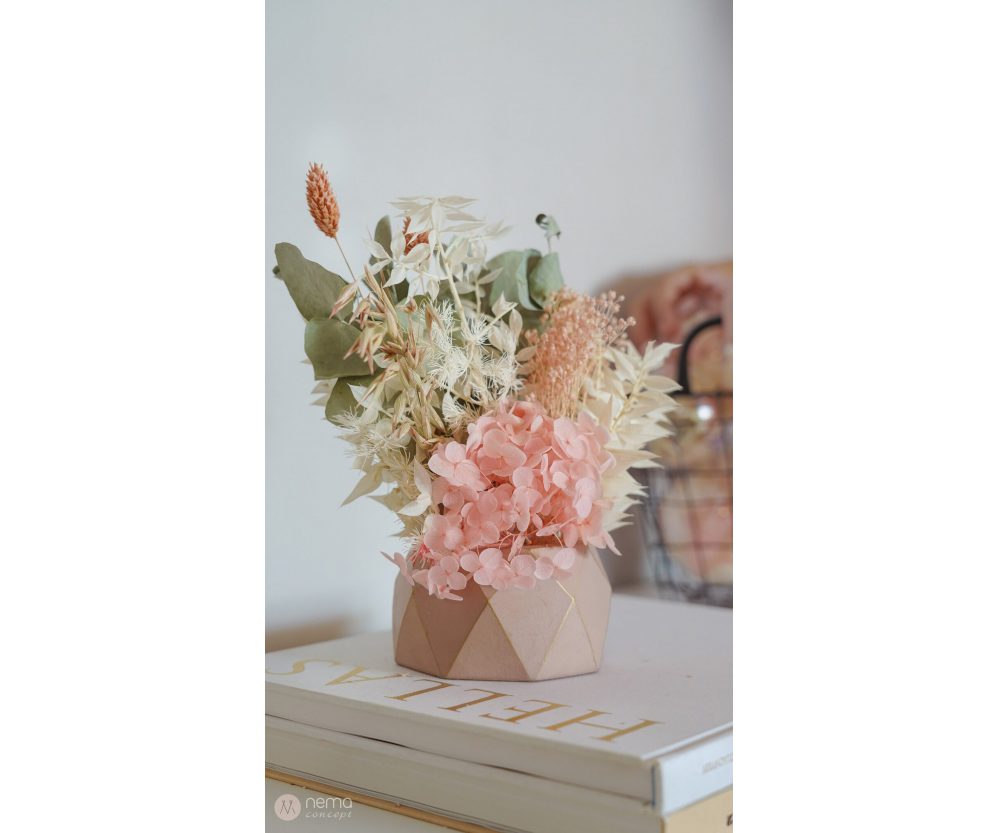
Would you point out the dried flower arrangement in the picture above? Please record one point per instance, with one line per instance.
(502, 409)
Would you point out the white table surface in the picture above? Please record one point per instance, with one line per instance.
(363, 819)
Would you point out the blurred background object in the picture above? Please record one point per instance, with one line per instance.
(668, 306)
(615, 118)
(684, 530)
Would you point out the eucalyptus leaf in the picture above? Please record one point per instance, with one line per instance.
(383, 233)
(313, 288)
(532, 319)
(545, 279)
(327, 340)
(512, 282)
(383, 236)
(342, 400)
(532, 256)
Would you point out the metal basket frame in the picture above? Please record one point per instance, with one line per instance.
(674, 484)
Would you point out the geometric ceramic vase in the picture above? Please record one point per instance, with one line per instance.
(555, 629)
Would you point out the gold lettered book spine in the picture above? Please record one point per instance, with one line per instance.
(711, 815)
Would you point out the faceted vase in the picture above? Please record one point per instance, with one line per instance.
(556, 629)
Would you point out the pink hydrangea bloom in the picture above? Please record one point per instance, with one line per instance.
(446, 576)
(452, 464)
(482, 566)
(520, 481)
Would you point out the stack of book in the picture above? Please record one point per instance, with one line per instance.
(643, 745)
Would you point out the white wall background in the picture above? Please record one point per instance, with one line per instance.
(615, 117)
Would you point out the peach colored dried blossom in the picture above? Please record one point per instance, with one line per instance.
(521, 480)
(322, 203)
(576, 331)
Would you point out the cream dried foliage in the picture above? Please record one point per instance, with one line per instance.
(471, 359)
(632, 401)
(384, 457)
(421, 255)
(441, 369)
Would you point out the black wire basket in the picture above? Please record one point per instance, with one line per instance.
(687, 519)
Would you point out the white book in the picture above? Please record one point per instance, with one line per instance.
(506, 801)
(654, 724)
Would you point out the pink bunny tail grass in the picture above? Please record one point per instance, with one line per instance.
(322, 203)
(578, 328)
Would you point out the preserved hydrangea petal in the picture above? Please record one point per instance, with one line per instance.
(521, 480)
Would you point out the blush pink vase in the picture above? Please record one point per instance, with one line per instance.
(556, 629)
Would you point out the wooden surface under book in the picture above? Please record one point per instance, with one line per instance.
(713, 815)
